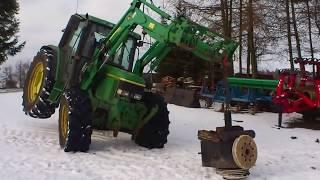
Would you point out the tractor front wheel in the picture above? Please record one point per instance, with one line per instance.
(75, 121)
(38, 85)
(155, 132)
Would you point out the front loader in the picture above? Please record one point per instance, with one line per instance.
(95, 76)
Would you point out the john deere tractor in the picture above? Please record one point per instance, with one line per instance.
(95, 75)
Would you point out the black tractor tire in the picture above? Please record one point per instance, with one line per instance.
(39, 84)
(309, 116)
(155, 132)
(206, 102)
(75, 121)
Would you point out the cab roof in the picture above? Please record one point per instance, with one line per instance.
(104, 23)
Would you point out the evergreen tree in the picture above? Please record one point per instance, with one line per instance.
(9, 27)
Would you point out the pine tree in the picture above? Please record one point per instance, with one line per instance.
(9, 27)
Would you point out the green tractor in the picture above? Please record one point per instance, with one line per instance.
(95, 76)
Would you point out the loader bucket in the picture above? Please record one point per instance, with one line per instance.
(182, 97)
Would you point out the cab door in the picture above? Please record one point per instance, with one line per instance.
(68, 46)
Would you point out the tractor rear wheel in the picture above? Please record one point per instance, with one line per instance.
(155, 132)
(38, 85)
(75, 121)
(309, 116)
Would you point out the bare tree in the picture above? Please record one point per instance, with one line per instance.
(8, 79)
(251, 57)
(288, 20)
(21, 72)
(240, 36)
(316, 14)
(295, 28)
(310, 35)
(7, 72)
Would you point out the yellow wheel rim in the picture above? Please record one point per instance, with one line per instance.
(64, 119)
(35, 82)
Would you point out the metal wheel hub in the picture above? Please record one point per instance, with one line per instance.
(244, 152)
(64, 119)
(36, 81)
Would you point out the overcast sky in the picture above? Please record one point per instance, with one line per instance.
(41, 21)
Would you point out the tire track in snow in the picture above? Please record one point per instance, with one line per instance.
(25, 140)
(128, 157)
(149, 162)
(28, 138)
(125, 153)
(112, 155)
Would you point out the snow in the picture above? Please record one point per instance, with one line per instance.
(30, 149)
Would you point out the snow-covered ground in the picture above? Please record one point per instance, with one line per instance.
(29, 149)
(9, 90)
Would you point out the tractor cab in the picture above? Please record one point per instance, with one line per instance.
(81, 37)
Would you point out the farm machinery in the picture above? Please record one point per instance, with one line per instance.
(299, 91)
(244, 92)
(95, 77)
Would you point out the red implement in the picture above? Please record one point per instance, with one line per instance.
(299, 90)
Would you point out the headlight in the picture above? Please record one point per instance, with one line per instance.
(122, 92)
(137, 97)
(119, 91)
(125, 93)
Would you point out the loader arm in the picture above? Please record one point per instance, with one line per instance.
(180, 32)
